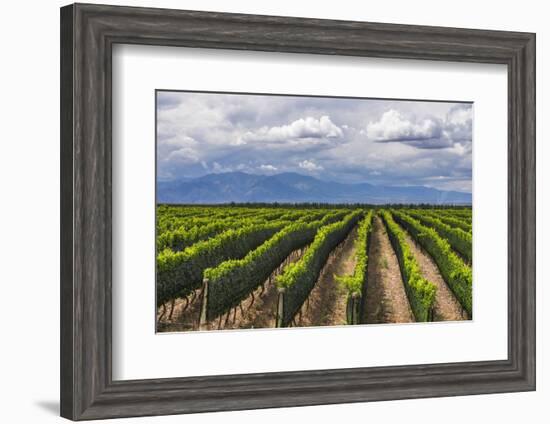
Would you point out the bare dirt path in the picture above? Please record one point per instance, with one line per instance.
(386, 300)
(259, 310)
(446, 306)
(326, 304)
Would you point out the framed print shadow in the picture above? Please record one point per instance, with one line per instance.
(333, 215)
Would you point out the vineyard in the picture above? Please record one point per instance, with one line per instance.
(267, 266)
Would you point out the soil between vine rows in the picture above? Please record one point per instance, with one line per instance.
(183, 319)
(386, 300)
(326, 304)
(446, 305)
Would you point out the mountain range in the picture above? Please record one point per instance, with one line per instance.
(289, 187)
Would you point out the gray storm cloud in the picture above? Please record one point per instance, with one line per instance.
(424, 132)
(349, 140)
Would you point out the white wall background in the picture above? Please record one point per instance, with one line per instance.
(29, 217)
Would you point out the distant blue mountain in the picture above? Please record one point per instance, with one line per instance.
(240, 187)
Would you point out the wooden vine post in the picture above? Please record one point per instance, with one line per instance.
(203, 320)
(352, 309)
(280, 307)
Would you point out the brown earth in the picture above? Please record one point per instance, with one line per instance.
(386, 300)
(326, 304)
(446, 305)
(185, 315)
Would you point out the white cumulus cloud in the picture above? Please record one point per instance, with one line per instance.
(425, 133)
(393, 126)
(310, 166)
(183, 155)
(458, 123)
(304, 128)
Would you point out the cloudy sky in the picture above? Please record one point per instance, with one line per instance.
(384, 142)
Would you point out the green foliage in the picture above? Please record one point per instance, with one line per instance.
(420, 292)
(179, 273)
(457, 275)
(182, 218)
(463, 212)
(185, 217)
(183, 237)
(298, 278)
(455, 222)
(465, 215)
(237, 247)
(232, 281)
(460, 240)
(354, 283)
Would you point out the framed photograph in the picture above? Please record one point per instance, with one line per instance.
(264, 211)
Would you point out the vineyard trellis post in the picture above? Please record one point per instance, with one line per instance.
(280, 307)
(203, 321)
(352, 309)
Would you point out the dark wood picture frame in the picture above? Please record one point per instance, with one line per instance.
(88, 33)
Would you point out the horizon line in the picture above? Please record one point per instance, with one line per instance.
(309, 176)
